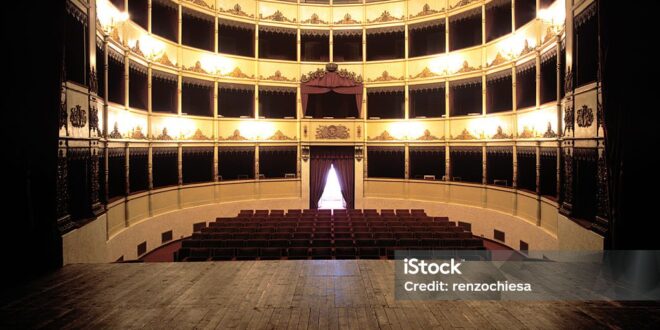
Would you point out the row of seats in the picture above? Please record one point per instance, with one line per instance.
(322, 234)
(384, 212)
(278, 253)
(331, 235)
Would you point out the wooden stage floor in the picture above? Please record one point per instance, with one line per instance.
(355, 294)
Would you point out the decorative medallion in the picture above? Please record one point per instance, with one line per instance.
(359, 153)
(164, 136)
(385, 17)
(425, 73)
(385, 136)
(199, 135)
(462, 3)
(78, 116)
(501, 135)
(549, 133)
(314, 19)
(304, 153)
(427, 136)
(585, 116)
(499, 59)
(237, 73)
(277, 76)
(465, 135)
(236, 10)
(196, 68)
(426, 10)
(236, 136)
(165, 60)
(202, 3)
(347, 20)
(569, 117)
(93, 117)
(115, 134)
(277, 16)
(467, 68)
(279, 136)
(332, 132)
(527, 133)
(385, 76)
(136, 49)
(137, 134)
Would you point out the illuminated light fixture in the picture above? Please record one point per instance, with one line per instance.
(555, 15)
(216, 64)
(446, 63)
(109, 16)
(406, 130)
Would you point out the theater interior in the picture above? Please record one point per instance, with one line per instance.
(263, 163)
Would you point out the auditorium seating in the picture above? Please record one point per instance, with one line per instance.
(323, 234)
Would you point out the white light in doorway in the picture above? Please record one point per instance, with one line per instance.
(332, 197)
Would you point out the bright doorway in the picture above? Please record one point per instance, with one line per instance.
(332, 197)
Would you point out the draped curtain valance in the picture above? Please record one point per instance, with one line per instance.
(337, 82)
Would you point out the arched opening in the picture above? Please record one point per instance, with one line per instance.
(332, 197)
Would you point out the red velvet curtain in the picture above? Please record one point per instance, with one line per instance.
(321, 160)
(345, 168)
(331, 81)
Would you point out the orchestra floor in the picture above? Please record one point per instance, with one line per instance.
(310, 294)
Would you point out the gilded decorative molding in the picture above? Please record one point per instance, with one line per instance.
(137, 134)
(427, 136)
(277, 76)
(332, 132)
(499, 59)
(64, 116)
(114, 35)
(164, 136)
(358, 131)
(549, 34)
(501, 135)
(165, 60)
(136, 49)
(465, 135)
(568, 80)
(115, 134)
(319, 73)
(526, 49)
(462, 3)
(314, 19)
(199, 136)
(277, 16)
(385, 17)
(236, 136)
(426, 10)
(237, 73)
(93, 117)
(305, 131)
(549, 133)
(347, 20)
(236, 10)
(196, 68)
(527, 133)
(467, 68)
(585, 116)
(569, 116)
(385, 136)
(202, 3)
(425, 73)
(279, 136)
(78, 116)
(385, 76)
(93, 81)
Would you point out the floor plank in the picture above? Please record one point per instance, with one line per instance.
(284, 294)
